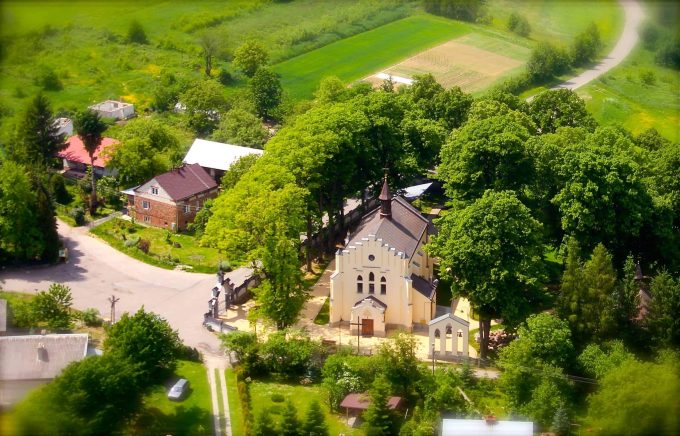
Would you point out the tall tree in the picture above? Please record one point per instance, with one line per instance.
(664, 308)
(267, 91)
(54, 306)
(240, 127)
(210, 47)
(379, 419)
(90, 127)
(250, 56)
(205, 103)
(499, 278)
(399, 364)
(37, 135)
(553, 109)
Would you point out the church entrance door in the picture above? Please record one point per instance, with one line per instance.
(367, 327)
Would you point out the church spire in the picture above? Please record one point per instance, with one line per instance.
(385, 199)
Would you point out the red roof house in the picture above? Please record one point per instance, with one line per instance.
(172, 199)
(76, 158)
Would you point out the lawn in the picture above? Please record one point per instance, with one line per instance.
(622, 97)
(162, 251)
(191, 416)
(358, 56)
(324, 314)
(234, 406)
(261, 392)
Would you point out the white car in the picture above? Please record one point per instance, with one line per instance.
(179, 389)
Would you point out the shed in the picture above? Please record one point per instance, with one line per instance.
(356, 403)
(486, 427)
(216, 157)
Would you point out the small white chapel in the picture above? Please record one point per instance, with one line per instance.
(383, 276)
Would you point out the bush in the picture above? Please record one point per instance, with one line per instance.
(132, 242)
(648, 77)
(91, 317)
(225, 266)
(49, 80)
(518, 24)
(144, 245)
(669, 54)
(224, 77)
(546, 61)
(278, 398)
(78, 215)
(650, 36)
(136, 33)
(59, 191)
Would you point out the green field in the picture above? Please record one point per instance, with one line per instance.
(191, 416)
(358, 56)
(161, 252)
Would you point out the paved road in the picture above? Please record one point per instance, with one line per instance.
(95, 271)
(634, 14)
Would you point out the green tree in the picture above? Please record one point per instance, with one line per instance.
(290, 424)
(561, 424)
(546, 61)
(37, 138)
(315, 421)
(136, 33)
(637, 398)
(599, 360)
(148, 341)
(466, 10)
(265, 424)
(240, 127)
(379, 419)
(586, 46)
(519, 24)
(331, 90)
(249, 57)
(237, 169)
(210, 48)
(89, 128)
(267, 91)
(205, 102)
(499, 279)
(65, 406)
(664, 309)
(399, 364)
(147, 148)
(54, 306)
(553, 109)
(486, 154)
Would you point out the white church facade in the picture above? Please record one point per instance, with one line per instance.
(383, 276)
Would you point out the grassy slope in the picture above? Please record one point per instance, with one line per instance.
(193, 415)
(234, 405)
(202, 259)
(354, 58)
(301, 396)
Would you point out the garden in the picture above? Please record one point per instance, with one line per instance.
(161, 247)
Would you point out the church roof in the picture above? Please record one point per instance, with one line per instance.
(424, 287)
(373, 300)
(402, 230)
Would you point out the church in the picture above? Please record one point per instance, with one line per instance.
(383, 276)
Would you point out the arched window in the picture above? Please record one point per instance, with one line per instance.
(371, 285)
(360, 284)
(383, 286)
(437, 334)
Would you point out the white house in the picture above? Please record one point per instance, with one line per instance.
(114, 109)
(64, 126)
(486, 427)
(216, 157)
(383, 277)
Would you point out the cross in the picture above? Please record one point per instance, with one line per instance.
(113, 300)
(358, 324)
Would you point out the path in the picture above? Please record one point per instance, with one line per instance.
(634, 14)
(218, 387)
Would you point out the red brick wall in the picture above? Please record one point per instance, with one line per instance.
(164, 214)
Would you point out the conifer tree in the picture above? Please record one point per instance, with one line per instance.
(290, 424)
(264, 424)
(315, 422)
(379, 418)
(37, 138)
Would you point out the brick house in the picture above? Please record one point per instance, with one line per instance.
(172, 199)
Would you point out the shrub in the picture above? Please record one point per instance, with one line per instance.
(546, 61)
(225, 266)
(648, 77)
(518, 24)
(225, 77)
(59, 191)
(669, 54)
(132, 242)
(650, 36)
(91, 317)
(49, 80)
(136, 33)
(78, 215)
(278, 398)
(144, 245)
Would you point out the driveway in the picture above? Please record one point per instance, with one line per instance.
(634, 14)
(95, 271)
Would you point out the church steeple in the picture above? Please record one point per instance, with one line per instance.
(385, 200)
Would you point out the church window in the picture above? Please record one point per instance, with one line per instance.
(371, 285)
(371, 257)
(383, 286)
(360, 284)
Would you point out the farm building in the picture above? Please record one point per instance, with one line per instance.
(64, 126)
(27, 362)
(383, 277)
(172, 199)
(216, 157)
(76, 159)
(114, 109)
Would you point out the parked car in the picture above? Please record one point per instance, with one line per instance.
(179, 389)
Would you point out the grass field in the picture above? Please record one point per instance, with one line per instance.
(622, 96)
(161, 252)
(356, 57)
(191, 416)
(237, 425)
(261, 392)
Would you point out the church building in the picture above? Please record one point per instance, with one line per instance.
(383, 276)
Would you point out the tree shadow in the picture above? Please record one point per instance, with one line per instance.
(185, 421)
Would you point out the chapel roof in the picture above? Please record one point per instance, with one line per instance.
(425, 288)
(402, 230)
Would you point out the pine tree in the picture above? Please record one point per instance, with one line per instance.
(379, 418)
(315, 421)
(561, 422)
(264, 424)
(290, 424)
(600, 278)
(572, 288)
(37, 139)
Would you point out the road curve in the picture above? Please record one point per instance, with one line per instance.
(634, 14)
(95, 271)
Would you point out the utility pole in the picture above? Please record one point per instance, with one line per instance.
(113, 300)
(358, 324)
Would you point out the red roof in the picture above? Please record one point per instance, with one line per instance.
(362, 401)
(185, 181)
(75, 151)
